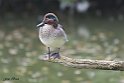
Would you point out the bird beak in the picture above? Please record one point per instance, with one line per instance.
(40, 25)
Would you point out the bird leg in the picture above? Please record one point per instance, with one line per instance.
(49, 52)
(56, 55)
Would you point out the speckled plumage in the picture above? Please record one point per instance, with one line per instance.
(52, 37)
(52, 34)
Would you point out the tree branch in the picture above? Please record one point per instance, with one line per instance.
(87, 63)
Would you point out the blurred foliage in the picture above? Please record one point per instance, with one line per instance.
(43, 6)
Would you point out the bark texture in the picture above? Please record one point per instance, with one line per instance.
(87, 63)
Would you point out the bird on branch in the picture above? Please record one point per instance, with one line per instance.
(51, 34)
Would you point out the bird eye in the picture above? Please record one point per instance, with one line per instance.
(50, 17)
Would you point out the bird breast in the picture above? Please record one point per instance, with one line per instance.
(51, 37)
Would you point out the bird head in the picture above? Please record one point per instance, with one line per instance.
(49, 18)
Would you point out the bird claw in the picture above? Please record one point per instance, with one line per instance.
(55, 55)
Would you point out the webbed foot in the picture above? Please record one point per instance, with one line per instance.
(55, 55)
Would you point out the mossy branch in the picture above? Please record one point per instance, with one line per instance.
(87, 63)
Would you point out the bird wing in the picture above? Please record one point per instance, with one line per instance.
(61, 28)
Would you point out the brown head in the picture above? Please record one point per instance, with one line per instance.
(51, 19)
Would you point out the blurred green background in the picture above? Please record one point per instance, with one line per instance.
(95, 30)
